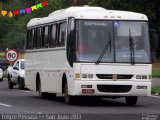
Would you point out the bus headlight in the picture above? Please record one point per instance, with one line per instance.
(87, 76)
(138, 76)
(84, 75)
(142, 77)
(90, 76)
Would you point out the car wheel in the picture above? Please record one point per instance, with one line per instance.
(20, 84)
(10, 84)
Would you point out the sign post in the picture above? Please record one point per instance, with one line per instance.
(11, 55)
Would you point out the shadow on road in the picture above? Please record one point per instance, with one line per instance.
(90, 101)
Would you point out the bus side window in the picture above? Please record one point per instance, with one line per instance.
(32, 39)
(45, 39)
(38, 37)
(28, 42)
(62, 34)
(53, 36)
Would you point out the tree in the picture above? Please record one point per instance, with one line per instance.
(13, 29)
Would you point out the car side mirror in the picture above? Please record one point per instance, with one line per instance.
(15, 68)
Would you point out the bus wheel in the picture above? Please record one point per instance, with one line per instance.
(1, 79)
(131, 100)
(68, 98)
(10, 84)
(42, 95)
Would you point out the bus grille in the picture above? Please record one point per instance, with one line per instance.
(110, 76)
(114, 88)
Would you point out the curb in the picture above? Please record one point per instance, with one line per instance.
(156, 94)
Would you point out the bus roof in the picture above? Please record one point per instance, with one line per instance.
(87, 12)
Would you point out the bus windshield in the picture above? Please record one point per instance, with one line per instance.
(92, 37)
(138, 32)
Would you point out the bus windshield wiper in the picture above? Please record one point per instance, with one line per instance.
(131, 43)
(108, 44)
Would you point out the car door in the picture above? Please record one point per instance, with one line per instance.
(15, 72)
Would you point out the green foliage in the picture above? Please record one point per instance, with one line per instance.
(156, 73)
(13, 30)
(144, 6)
(156, 89)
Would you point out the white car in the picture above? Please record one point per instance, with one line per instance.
(1, 74)
(16, 74)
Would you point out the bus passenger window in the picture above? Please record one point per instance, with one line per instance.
(62, 34)
(28, 44)
(32, 39)
(53, 39)
(38, 37)
(45, 37)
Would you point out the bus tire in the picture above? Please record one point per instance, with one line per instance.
(1, 79)
(42, 95)
(131, 100)
(10, 84)
(68, 98)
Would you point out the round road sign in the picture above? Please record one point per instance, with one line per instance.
(11, 55)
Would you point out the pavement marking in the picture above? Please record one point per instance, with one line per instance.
(26, 91)
(39, 112)
(1, 104)
(22, 90)
(155, 96)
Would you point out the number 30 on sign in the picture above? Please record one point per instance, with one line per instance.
(11, 55)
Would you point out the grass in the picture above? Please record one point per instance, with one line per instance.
(156, 73)
(156, 89)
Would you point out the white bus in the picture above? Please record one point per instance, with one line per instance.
(89, 51)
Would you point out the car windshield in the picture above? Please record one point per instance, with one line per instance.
(22, 65)
(92, 37)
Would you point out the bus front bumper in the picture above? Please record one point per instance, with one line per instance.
(110, 88)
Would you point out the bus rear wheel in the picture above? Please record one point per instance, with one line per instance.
(131, 100)
(68, 98)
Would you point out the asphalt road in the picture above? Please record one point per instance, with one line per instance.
(23, 102)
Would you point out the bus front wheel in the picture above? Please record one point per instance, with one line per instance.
(42, 95)
(131, 100)
(68, 98)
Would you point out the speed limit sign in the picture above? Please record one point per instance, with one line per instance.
(11, 55)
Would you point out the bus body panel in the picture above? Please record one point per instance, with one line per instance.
(137, 69)
(49, 69)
